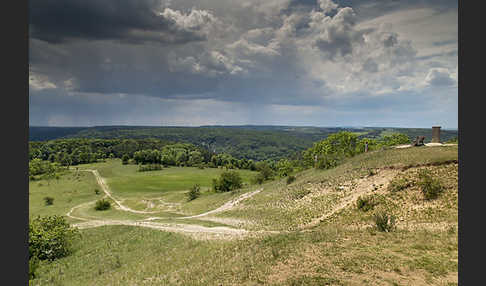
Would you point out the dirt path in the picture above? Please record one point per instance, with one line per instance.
(106, 189)
(365, 186)
(196, 231)
(227, 206)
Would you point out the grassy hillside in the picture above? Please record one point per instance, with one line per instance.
(318, 234)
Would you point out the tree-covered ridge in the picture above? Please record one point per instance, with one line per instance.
(250, 142)
(70, 152)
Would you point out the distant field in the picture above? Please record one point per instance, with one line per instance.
(125, 180)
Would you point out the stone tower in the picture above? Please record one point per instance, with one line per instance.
(435, 134)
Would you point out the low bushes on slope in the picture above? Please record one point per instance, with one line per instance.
(50, 238)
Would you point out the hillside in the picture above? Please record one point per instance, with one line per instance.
(308, 232)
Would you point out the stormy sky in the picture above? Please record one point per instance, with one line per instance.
(228, 62)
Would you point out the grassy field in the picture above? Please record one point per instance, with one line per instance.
(125, 180)
(72, 188)
(165, 189)
(345, 249)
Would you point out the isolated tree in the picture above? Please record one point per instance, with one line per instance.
(228, 181)
(125, 159)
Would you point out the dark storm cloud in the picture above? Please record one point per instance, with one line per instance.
(132, 21)
(228, 61)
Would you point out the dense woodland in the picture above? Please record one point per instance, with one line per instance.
(255, 143)
(47, 157)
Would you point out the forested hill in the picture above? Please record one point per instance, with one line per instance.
(254, 142)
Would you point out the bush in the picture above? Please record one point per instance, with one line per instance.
(366, 203)
(194, 192)
(33, 265)
(454, 140)
(49, 238)
(125, 159)
(328, 161)
(49, 201)
(228, 181)
(102, 205)
(290, 179)
(259, 178)
(429, 186)
(150, 167)
(394, 139)
(265, 171)
(299, 193)
(384, 222)
(399, 184)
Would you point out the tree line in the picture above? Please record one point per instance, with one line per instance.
(326, 153)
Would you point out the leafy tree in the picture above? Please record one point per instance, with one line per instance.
(195, 158)
(125, 159)
(228, 181)
(265, 170)
(394, 139)
(284, 167)
(330, 151)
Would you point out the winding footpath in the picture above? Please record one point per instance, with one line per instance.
(364, 186)
(197, 231)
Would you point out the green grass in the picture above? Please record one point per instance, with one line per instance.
(119, 255)
(70, 190)
(275, 207)
(332, 252)
(125, 180)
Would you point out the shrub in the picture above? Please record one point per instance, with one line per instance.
(49, 238)
(394, 139)
(125, 159)
(49, 201)
(399, 184)
(102, 205)
(258, 179)
(366, 203)
(194, 192)
(290, 179)
(228, 181)
(328, 161)
(265, 171)
(150, 167)
(429, 186)
(299, 193)
(453, 140)
(384, 222)
(33, 265)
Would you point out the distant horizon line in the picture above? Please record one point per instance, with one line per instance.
(242, 125)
